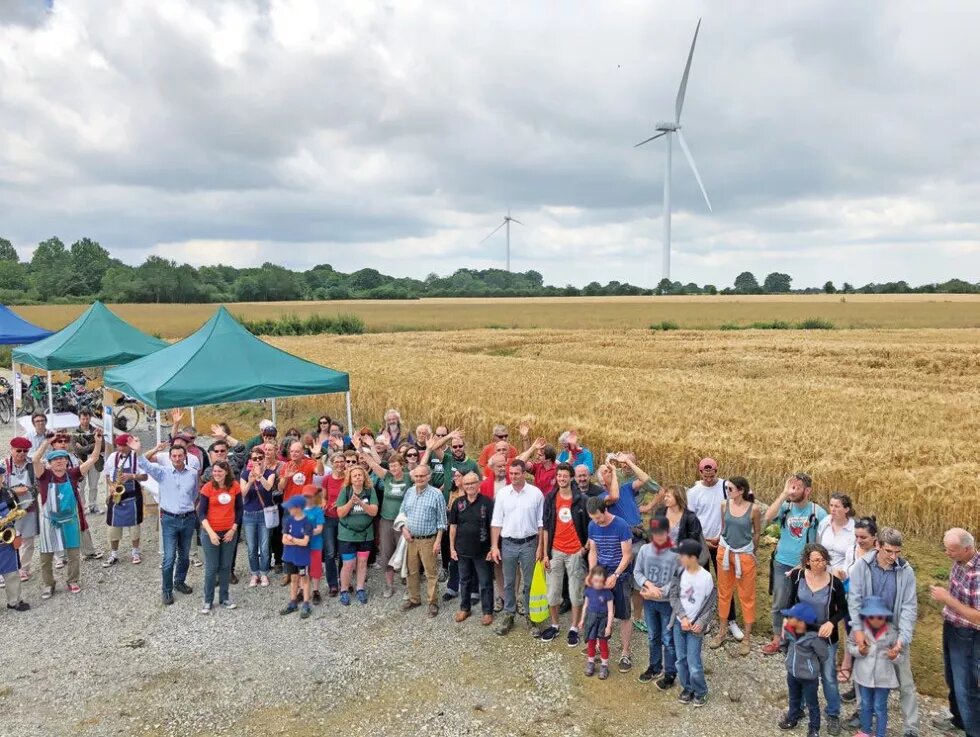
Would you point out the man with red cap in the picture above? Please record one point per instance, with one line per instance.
(126, 513)
(20, 480)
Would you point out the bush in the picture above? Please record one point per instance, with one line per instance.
(815, 323)
(665, 325)
(292, 324)
(771, 325)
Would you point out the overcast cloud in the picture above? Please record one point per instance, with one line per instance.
(837, 140)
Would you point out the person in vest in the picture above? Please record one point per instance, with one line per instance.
(61, 441)
(20, 480)
(126, 514)
(9, 560)
(62, 516)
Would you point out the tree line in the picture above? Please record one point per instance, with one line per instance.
(85, 271)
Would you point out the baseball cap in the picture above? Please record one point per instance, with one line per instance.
(689, 547)
(270, 430)
(309, 490)
(296, 502)
(801, 611)
(660, 524)
(705, 462)
(122, 439)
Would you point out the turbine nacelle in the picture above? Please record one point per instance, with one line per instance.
(667, 126)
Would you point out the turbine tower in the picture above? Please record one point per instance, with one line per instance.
(506, 221)
(670, 129)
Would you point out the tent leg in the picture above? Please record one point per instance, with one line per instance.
(193, 422)
(14, 391)
(159, 508)
(350, 421)
(273, 410)
(158, 428)
(50, 396)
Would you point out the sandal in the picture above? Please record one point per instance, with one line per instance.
(844, 674)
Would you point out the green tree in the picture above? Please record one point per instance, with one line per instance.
(777, 283)
(89, 263)
(664, 286)
(745, 283)
(50, 268)
(13, 275)
(847, 288)
(7, 251)
(122, 284)
(829, 288)
(366, 279)
(710, 289)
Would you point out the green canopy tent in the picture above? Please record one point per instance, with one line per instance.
(95, 339)
(222, 363)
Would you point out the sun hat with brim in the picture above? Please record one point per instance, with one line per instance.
(874, 606)
(55, 455)
(802, 611)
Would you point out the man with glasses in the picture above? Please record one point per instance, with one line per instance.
(425, 510)
(40, 432)
(469, 546)
(20, 479)
(884, 573)
(500, 434)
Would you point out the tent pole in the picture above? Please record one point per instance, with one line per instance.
(159, 508)
(14, 391)
(350, 421)
(50, 396)
(193, 422)
(273, 410)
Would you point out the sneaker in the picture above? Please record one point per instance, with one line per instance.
(486, 620)
(263, 580)
(849, 696)
(770, 648)
(253, 582)
(229, 604)
(20, 606)
(289, 608)
(506, 624)
(47, 592)
(110, 561)
(549, 633)
(603, 671)
(196, 561)
(718, 640)
(833, 726)
(573, 638)
(74, 588)
(625, 664)
(206, 609)
(389, 591)
(345, 599)
(498, 603)
(686, 697)
(640, 626)
(787, 723)
(137, 559)
(183, 588)
(649, 674)
(813, 732)
(305, 612)
(362, 596)
(332, 591)
(589, 668)
(736, 631)
(701, 700)
(665, 683)
(317, 599)
(167, 598)
(449, 595)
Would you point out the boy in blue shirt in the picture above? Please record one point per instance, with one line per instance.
(314, 513)
(297, 531)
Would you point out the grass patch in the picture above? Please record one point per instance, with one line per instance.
(811, 323)
(665, 325)
(815, 323)
(292, 324)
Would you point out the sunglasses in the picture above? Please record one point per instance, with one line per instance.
(258, 458)
(458, 447)
(220, 450)
(502, 437)
(708, 468)
(411, 455)
(19, 450)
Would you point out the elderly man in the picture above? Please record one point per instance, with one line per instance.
(469, 545)
(884, 573)
(298, 471)
(497, 479)
(585, 484)
(425, 509)
(961, 631)
(393, 429)
(176, 493)
(500, 435)
(126, 515)
(62, 512)
(574, 453)
(518, 518)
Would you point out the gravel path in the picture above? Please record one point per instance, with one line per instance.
(113, 661)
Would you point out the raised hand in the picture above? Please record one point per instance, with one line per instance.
(218, 432)
(524, 429)
(176, 415)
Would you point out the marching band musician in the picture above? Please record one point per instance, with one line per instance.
(62, 515)
(123, 512)
(20, 480)
(9, 559)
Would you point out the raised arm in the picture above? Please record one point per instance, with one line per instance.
(38, 458)
(93, 457)
(773, 508)
(531, 449)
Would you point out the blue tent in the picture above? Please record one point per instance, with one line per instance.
(15, 330)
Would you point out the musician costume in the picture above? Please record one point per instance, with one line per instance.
(22, 477)
(62, 520)
(9, 558)
(127, 513)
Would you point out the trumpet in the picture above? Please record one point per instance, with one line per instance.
(7, 531)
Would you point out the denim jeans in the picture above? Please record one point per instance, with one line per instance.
(690, 670)
(257, 542)
(780, 595)
(828, 677)
(475, 575)
(961, 661)
(330, 526)
(803, 692)
(874, 701)
(177, 535)
(663, 657)
(217, 567)
(513, 555)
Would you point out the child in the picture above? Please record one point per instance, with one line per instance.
(596, 621)
(296, 533)
(657, 566)
(806, 653)
(314, 513)
(692, 598)
(874, 672)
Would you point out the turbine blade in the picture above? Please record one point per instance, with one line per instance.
(694, 168)
(651, 138)
(515, 220)
(502, 224)
(679, 105)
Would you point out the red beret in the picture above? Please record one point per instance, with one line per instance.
(122, 439)
(20, 443)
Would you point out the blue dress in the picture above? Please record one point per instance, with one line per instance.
(597, 617)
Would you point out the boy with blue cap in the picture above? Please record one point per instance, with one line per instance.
(805, 652)
(874, 671)
(297, 531)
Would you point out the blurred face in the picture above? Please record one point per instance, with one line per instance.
(395, 467)
(39, 424)
(420, 476)
(442, 431)
(323, 424)
(218, 474)
(379, 448)
(733, 491)
(599, 517)
(422, 433)
(515, 475)
(564, 478)
(84, 420)
(660, 538)
(270, 451)
(459, 449)
(888, 555)
(582, 476)
(257, 459)
(339, 464)
(597, 582)
(357, 477)
(19, 455)
(499, 468)
(865, 540)
(412, 456)
(670, 500)
(336, 432)
(816, 562)
(178, 456)
(955, 551)
(471, 485)
(837, 510)
(797, 492)
(501, 435)
(59, 442)
(296, 452)
(708, 474)
(59, 466)
(391, 418)
(219, 453)
(876, 622)
(501, 447)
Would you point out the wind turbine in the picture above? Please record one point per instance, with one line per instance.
(669, 129)
(506, 221)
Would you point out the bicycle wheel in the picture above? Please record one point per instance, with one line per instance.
(127, 418)
(6, 407)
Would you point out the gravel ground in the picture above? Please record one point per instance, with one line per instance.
(112, 660)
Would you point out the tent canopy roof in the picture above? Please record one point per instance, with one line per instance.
(220, 363)
(15, 330)
(97, 337)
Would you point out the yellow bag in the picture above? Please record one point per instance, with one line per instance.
(539, 595)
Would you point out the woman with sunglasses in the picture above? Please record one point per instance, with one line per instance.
(220, 511)
(258, 481)
(411, 455)
(321, 434)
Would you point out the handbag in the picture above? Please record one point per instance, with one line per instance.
(271, 517)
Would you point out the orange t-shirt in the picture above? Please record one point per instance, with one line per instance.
(221, 505)
(566, 538)
(306, 467)
(488, 452)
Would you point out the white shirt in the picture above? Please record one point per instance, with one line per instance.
(126, 465)
(518, 514)
(163, 459)
(840, 544)
(695, 588)
(36, 442)
(705, 502)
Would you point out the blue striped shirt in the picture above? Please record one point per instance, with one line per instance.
(426, 511)
(608, 542)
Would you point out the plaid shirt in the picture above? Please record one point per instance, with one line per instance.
(964, 585)
(426, 512)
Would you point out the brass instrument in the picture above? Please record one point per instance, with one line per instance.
(7, 531)
(117, 488)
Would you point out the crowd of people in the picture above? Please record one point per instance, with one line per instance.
(618, 550)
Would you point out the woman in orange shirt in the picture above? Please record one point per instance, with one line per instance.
(220, 511)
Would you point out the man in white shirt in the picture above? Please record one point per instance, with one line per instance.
(515, 532)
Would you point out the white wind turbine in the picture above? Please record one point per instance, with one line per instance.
(670, 129)
(506, 221)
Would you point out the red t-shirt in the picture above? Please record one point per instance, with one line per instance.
(566, 538)
(332, 487)
(221, 505)
(486, 487)
(306, 467)
(544, 478)
(488, 452)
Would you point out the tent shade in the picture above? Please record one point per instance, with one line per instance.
(97, 337)
(15, 330)
(220, 363)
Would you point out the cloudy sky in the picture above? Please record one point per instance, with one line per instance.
(837, 140)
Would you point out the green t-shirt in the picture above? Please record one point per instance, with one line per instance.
(450, 464)
(394, 493)
(358, 526)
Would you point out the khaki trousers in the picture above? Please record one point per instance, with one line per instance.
(72, 570)
(420, 551)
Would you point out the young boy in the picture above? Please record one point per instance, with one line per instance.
(874, 671)
(296, 533)
(805, 654)
(657, 565)
(692, 598)
(314, 513)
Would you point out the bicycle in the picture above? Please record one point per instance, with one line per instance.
(6, 400)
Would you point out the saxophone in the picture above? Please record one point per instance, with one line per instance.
(7, 531)
(117, 488)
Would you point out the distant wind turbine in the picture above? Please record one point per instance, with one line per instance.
(506, 221)
(669, 129)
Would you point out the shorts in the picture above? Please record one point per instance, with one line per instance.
(350, 550)
(291, 569)
(115, 534)
(622, 592)
(316, 564)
